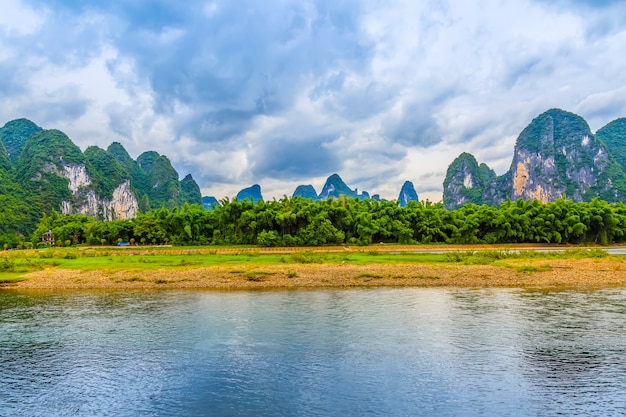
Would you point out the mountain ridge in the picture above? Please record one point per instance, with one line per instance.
(43, 170)
(555, 156)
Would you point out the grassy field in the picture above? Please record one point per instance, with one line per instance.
(14, 265)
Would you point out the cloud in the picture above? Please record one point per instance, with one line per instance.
(591, 4)
(273, 92)
(61, 106)
(415, 124)
(289, 159)
(603, 105)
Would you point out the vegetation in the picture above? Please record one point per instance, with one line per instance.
(562, 157)
(347, 221)
(163, 187)
(13, 136)
(482, 174)
(612, 135)
(14, 264)
(108, 173)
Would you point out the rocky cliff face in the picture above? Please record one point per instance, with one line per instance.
(122, 205)
(52, 170)
(466, 181)
(556, 156)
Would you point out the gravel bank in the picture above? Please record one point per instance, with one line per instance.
(577, 273)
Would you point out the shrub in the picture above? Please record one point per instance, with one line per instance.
(307, 257)
(7, 265)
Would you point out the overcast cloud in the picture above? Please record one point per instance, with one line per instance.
(284, 92)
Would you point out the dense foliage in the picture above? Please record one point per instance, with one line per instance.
(5, 162)
(14, 135)
(299, 221)
(19, 213)
(107, 172)
(190, 191)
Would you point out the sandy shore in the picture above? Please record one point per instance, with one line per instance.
(578, 273)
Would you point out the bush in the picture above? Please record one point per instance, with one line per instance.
(307, 257)
(479, 257)
(7, 265)
(268, 239)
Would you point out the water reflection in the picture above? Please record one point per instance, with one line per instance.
(331, 352)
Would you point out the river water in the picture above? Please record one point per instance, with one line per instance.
(400, 352)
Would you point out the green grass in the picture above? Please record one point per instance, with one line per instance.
(11, 277)
(530, 268)
(369, 275)
(14, 264)
(486, 257)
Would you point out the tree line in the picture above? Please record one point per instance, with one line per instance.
(303, 222)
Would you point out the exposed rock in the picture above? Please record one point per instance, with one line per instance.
(122, 205)
(77, 174)
(465, 181)
(555, 156)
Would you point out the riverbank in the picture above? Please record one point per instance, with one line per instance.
(540, 273)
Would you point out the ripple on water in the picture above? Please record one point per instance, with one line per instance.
(323, 352)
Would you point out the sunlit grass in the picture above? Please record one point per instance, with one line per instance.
(15, 264)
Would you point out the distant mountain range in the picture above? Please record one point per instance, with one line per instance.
(555, 156)
(334, 187)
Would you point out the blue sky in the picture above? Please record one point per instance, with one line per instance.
(281, 92)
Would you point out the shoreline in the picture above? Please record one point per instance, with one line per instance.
(544, 273)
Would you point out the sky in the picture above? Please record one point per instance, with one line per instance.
(287, 92)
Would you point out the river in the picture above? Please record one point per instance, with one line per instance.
(382, 351)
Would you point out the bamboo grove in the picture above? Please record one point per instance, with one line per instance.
(304, 222)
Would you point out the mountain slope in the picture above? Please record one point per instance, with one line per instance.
(466, 181)
(613, 136)
(305, 191)
(555, 156)
(252, 193)
(407, 193)
(14, 135)
(190, 191)
(156, 181)
(334, 187)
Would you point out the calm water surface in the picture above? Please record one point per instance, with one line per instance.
(412, 352)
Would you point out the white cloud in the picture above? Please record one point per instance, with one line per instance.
(274, 94)
(17, 19)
